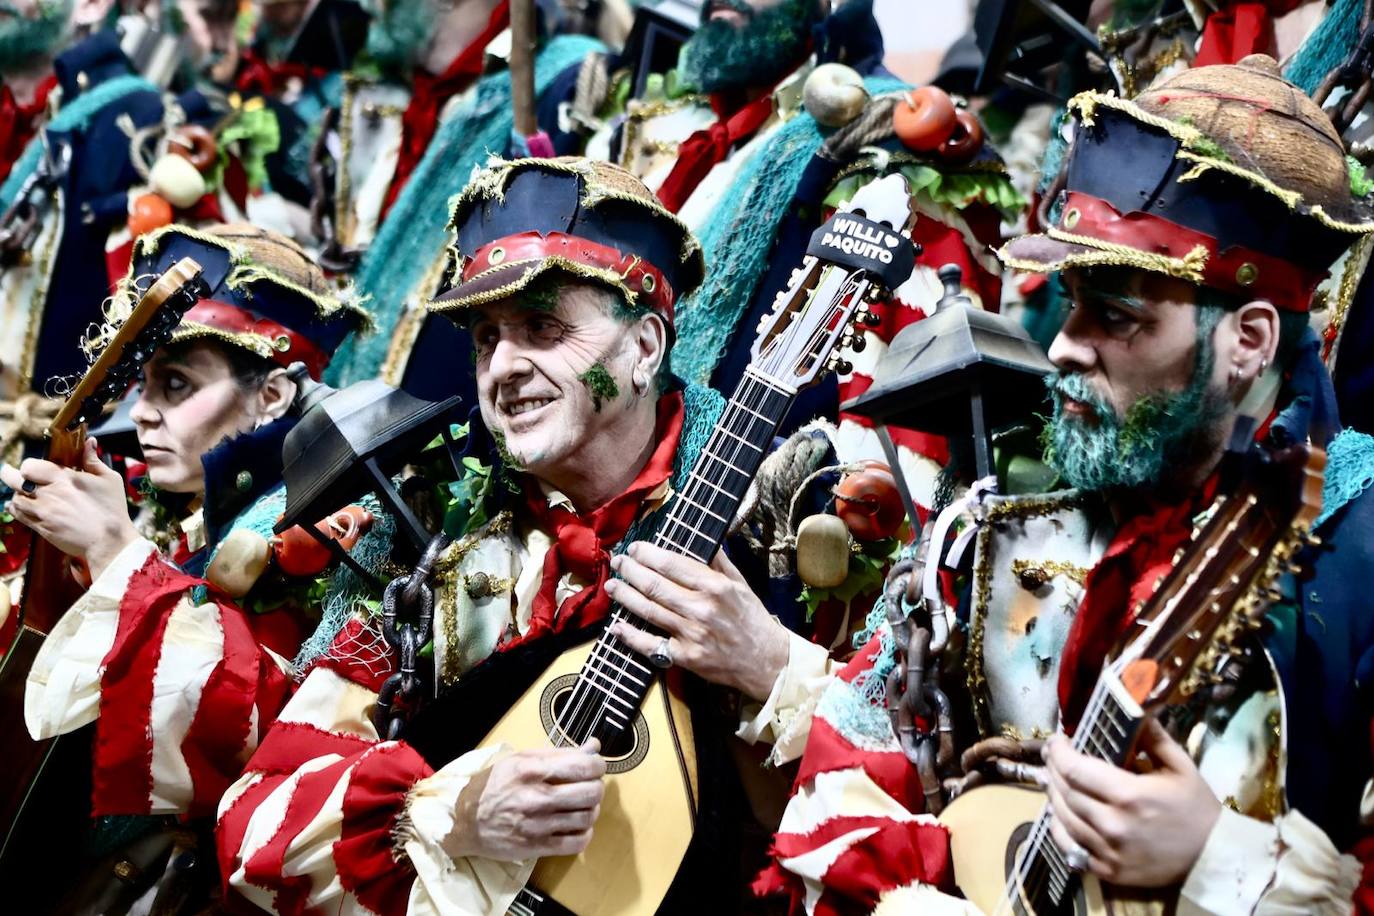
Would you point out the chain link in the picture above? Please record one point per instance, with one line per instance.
(919, 710)
(407, 625)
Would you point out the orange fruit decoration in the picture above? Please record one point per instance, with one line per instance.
(148, 212)
(869, 504)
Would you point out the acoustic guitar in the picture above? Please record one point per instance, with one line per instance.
(1005, 860)
(598, 686)
(50, 585)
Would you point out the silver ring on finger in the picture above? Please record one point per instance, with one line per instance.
(1076, 858)
(661, 658)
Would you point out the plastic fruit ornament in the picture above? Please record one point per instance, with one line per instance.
(924, 119)
(869, 503)
(966, 140)
(148, 212)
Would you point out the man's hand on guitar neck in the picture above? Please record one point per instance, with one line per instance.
(81, 514)
(1139, 829)
(530, 804)
(717, 626)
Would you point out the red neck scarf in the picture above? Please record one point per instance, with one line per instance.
(1139, 556)
(421, 118)
(18, 123)
(582, 543)
(709, 147)
(259, 75)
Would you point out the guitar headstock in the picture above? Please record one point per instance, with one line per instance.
(857, 257)
(147, 328)
(1222, 583)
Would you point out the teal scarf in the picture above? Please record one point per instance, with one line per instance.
(415, 231)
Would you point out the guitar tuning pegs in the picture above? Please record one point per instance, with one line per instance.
(857, 343)
(875, 293)
(872, 319)
(843, 367)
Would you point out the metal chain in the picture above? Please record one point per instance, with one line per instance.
(919, 710)
(407, 625)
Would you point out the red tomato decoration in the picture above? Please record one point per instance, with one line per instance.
(924, 119)
(149, 212)
(298, 553)
(869, 503)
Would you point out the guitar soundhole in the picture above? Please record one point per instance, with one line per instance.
(1076, 905)
(623, 752)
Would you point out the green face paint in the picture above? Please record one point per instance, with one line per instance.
(600, 383)
(1159, 434)
(24, 39)
(722, 55)
(507, 458)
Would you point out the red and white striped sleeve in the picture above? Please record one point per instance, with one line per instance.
(180, 690)
(327, 817)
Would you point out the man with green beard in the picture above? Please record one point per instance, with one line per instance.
(31, 32)
(1194, 227)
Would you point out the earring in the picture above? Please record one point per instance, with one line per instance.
(1264, 365)
(640, 384)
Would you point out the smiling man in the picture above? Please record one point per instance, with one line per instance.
(568, 274)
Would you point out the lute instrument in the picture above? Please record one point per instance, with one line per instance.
(1216, 593)
(603, 688)
(50, 584)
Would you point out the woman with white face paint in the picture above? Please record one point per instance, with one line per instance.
(180, 681)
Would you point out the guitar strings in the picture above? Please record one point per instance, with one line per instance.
(589, 712)
(848, 288)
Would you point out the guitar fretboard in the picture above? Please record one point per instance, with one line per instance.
(615, 678)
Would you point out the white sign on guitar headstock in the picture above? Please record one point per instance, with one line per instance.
(858, 256)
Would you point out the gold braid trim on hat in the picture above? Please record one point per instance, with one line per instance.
(598, 274)
(1086, 104)
(257, 343)
(490, 184)
(1197, 148)
(1190, 267)
(245, 271)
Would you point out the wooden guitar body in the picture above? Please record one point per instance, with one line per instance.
(649, 811)
(988, 827)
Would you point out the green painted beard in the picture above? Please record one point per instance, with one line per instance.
(721, 56)
(399, 32)
(22, 39)
(1160, 435)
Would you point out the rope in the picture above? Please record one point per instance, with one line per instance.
(26, 417)
(872, 125)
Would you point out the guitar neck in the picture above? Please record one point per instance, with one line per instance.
(615, 676)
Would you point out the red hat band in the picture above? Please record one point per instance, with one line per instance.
(1242, 271)
(287, 346)
(637, 274)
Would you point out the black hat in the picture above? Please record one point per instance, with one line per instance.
(516, 221)
(1227, 176)
(266, 293)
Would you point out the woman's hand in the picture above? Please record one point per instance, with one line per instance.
(81, 513)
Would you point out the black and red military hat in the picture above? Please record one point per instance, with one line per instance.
(519, 220)
(267, 294)
(1227, 176)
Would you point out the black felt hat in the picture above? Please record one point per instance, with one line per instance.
(266, 293)
(519, 220)
(1226, 176)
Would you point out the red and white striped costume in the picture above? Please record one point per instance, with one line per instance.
(329, 818)
(180, 691)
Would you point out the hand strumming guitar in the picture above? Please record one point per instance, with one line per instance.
(1139, 830)
(717, 626)
(81, 513)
